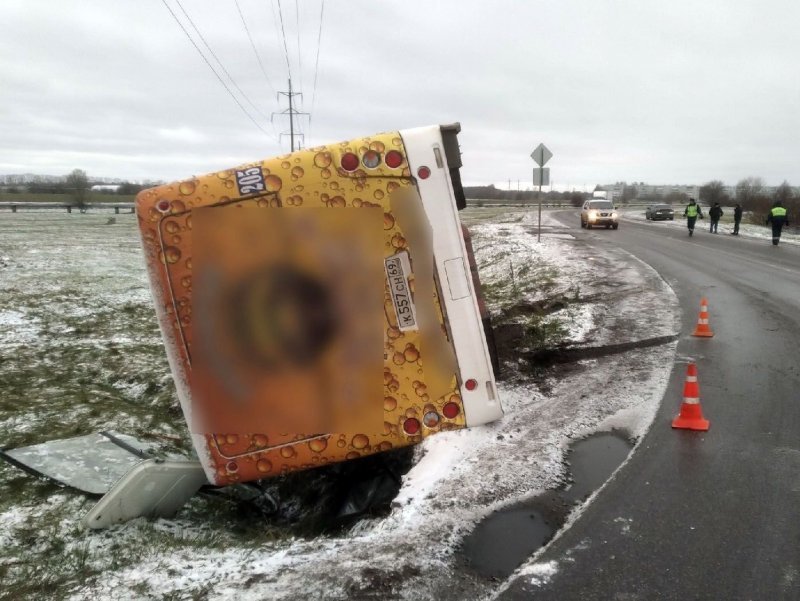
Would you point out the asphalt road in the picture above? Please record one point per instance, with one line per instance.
(702, 515)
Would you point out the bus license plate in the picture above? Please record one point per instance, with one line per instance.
(398, 269)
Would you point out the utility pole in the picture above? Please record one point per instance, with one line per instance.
(292, 113)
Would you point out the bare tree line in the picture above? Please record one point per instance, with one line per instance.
(77, 185)
(753, 195)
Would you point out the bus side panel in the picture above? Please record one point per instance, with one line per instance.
(481, 405)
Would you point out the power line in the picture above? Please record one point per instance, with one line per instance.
(275, 25)
(253, 45)
(299, 54)
(219, 62)
(277, 39)
(285, 46)
(210, 66)
(316, 64)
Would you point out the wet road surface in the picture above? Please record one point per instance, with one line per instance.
(702, 515)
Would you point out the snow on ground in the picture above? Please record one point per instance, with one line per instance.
(540, 573)
(15, 328)
(76, 322)
(9, 521)
(510, 244)
(459, 478)
(746, 230)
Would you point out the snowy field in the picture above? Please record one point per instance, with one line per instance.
(80, 352)
(790, 235)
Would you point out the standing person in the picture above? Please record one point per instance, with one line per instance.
(777, 216)
(692, 212)
(737, 219)
(714, 213)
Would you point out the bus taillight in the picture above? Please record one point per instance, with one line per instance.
(393, 159)
(423, 172)
(349, 161)
(471, 384)
(451, 410)
(411, 426)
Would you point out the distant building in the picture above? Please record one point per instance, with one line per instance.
(644, 190)
(105, 188)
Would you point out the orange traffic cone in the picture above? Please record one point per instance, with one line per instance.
(691, 415)
(703, 330)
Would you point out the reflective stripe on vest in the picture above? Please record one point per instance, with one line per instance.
(778, 212)
(691, 211)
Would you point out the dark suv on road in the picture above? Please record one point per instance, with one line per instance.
(656, 212)
(599, 212)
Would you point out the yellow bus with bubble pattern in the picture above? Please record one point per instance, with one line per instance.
(319, 306)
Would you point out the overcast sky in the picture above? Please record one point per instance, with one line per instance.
(655, 91)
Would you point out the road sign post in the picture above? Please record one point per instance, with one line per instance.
(541, 177)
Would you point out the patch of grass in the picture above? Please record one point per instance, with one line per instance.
(44, 560)
(51, 555)
(106, 366)
(84, 354)
(519, 282)
(543, 331)
(477, 215)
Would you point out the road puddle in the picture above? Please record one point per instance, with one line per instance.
(592, 460)
(506, 538)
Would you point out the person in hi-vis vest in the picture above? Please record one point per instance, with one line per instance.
(778, 218)
(692, 212)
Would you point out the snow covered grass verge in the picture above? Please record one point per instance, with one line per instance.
(561, 292)
(60, 376)
(79, 348)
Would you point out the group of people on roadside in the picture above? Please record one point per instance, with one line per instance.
(776, 216)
